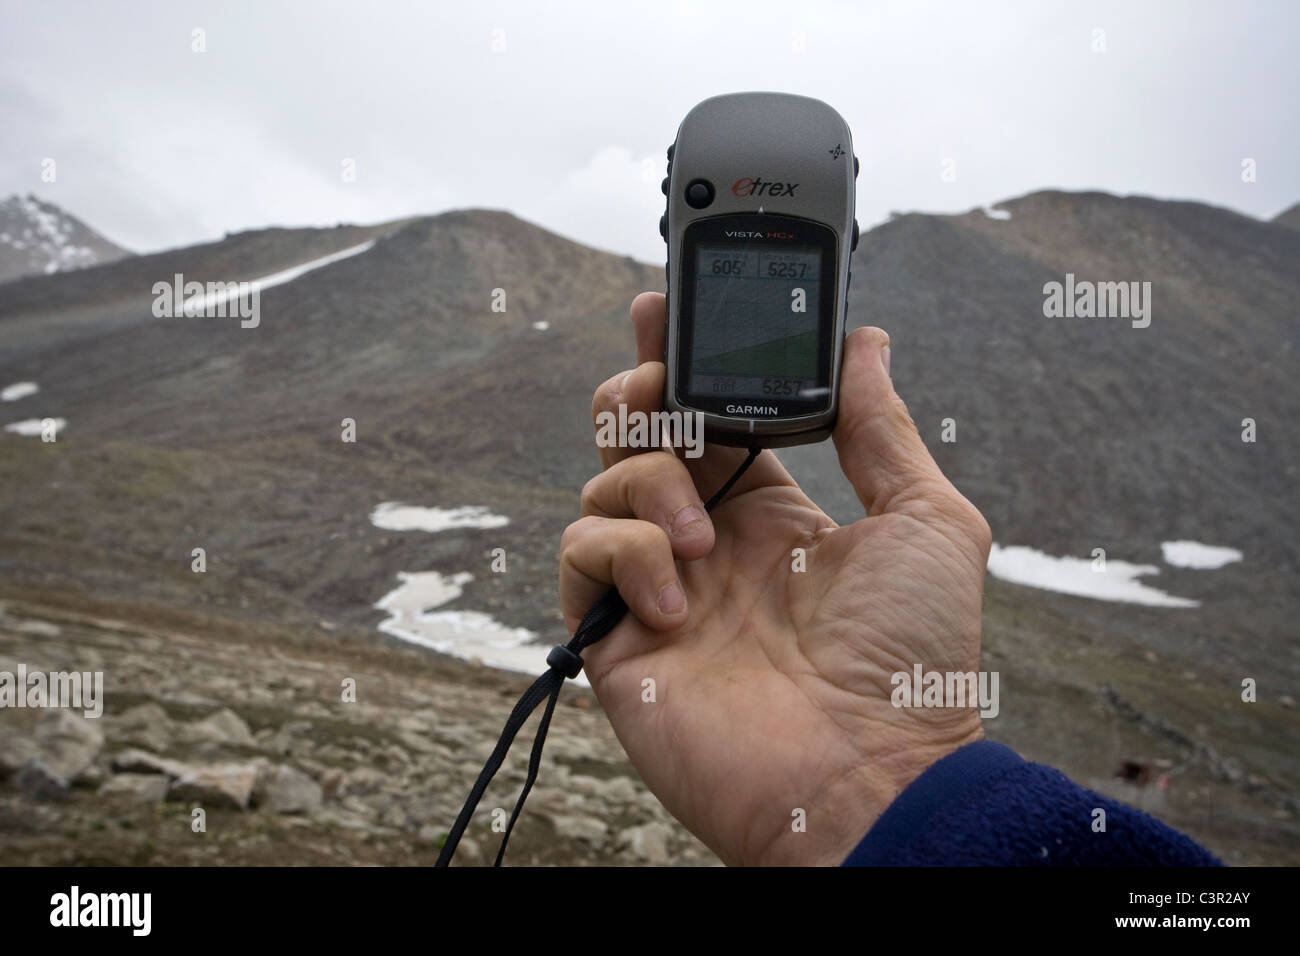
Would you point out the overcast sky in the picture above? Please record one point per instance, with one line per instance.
(560, 112)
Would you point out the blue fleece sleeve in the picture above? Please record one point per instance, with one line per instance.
(982, 805)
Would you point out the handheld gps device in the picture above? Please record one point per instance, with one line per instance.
(759, 228)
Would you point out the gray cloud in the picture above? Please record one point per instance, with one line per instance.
(157, 145)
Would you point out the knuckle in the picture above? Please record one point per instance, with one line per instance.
(566, 540)
(590, 494)
(574, 532)
(606, 395)
(640, 549)
(656, 473)
(647, 480)
(648, 540)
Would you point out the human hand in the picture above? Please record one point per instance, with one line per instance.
(772, 686)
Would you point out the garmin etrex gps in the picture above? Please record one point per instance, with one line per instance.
(759, 226)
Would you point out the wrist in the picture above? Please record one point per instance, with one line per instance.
(848, 804)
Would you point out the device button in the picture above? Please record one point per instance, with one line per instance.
(663, 186)
(663, 226)
(670, 152)
(855, 167)
(854, 243)
(699, 193)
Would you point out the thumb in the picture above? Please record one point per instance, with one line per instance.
(880, 450)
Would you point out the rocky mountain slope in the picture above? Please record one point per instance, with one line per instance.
(1071, 434)
(1289, 216)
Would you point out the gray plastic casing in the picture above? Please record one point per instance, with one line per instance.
(776, 137)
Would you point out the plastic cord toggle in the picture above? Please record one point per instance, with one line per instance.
(564, 660)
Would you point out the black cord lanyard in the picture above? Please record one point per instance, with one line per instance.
(564, 662)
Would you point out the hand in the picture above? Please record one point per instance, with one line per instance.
(772, 686)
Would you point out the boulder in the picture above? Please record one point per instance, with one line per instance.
(620, 790)
(647, 843)
(583, 829)
(292, 791)
(140, 761)
(145, 725)
(220, 785)
(136, 787)
(364, 780)
(68, 743)
(290, 739)
(224, 728)
(36, 780)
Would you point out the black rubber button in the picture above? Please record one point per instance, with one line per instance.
(670, 152)
(855, 167)
(663, 226)
(699, 193)
(854, 244)
(663, 186)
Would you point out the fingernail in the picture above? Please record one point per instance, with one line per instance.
(671, 599)
(684, 521)
(884, 358)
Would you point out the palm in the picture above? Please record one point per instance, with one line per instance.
(781, 678)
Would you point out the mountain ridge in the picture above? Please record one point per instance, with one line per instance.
(1071, 435)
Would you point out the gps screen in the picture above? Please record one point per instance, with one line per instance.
(756, 321)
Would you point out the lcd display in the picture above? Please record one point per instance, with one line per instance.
(756, 330)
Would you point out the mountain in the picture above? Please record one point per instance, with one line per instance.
(1076, 433)
(1289, 217)
(39, 238)
(1071, 434)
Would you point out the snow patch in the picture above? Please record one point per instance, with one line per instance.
(17, 390)
(30, 427)
(1000, 214)
(412, 605)
(1193, 554)
(1070, 575)
(288, 275)
(205, 302)
(412, 616)
(395, 516)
